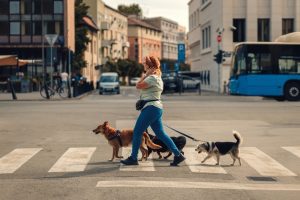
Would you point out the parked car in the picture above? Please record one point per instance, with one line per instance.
(109, 83)
(134, 80)
(189, 83)
(170, 82)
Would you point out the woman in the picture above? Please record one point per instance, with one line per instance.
(151, 86)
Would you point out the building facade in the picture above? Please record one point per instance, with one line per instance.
(144, 39)
(235, 21)
(24, 24)
(169, 42)
(114, 44)
(96, 13)
(90, 55)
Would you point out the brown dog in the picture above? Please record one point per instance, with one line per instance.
(123, 138)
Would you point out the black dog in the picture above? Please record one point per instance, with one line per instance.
(179, 142)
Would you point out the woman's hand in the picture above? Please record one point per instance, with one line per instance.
(150, 72)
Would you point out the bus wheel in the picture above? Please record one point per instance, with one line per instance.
(292, 91)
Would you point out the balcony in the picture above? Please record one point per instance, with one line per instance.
(108, 43)
(125, 45)
(105, 26)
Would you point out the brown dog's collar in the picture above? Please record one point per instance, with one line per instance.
(118, 136)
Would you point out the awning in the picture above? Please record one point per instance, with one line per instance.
(11, 60)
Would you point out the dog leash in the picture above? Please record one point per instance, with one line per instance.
(194, 139)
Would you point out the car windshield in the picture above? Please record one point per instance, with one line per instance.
(109, 79)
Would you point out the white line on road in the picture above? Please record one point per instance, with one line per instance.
(73, 160)
(262, 163)
(197, 185)
(15, 159)
(193, 160)
(146, 166)
(293, 150)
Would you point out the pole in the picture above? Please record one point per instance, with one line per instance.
(43, 54)
(69, 74)
(219, 78)
(51, 70)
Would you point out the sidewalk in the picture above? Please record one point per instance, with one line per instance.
(35, 96)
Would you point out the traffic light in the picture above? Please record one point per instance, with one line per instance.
(218, 58)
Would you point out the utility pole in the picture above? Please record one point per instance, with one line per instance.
(219, 40)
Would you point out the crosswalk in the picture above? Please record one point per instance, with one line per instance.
(77, 159)
(254, 160)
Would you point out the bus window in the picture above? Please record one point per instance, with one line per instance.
(239, 62)
(289, 64)
(259, 63)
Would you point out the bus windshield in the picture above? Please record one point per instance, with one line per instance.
(266, 59)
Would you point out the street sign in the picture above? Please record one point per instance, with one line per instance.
(219, 38)
(181, 53)
(51, 38)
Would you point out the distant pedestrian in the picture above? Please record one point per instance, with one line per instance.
(64, 78)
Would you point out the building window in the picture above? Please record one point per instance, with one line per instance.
(37, 28)
(4, 30)
(26, 28)
(36, 6)
(58, 7)
(239, 34)
(287, 26)
(204, 1)
(263, 28)
(14, 28)
(206, 37)
(47, 6)
(50, 28)
(14, 7)
(26, 7)
(4, 6)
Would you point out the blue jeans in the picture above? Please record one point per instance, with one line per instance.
(151, 116)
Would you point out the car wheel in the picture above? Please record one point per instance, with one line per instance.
(292, 91)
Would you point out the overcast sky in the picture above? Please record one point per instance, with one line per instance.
(176, 10)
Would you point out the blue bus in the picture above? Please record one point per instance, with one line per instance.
(269, 69)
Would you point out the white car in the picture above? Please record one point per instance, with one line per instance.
(134, 80)
(109, 83)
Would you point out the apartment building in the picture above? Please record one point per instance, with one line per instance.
(90, 55)
(24, 24)
(170, 37)
(235, 21)
(114, 44)
(144, 38)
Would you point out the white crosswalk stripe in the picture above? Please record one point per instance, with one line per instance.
(262, 163)
(146, 166)
(193, 160)
(293, 150)
(15, 159)
(73, 160)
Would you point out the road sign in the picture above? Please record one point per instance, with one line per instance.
(51, 38)
(181, 53)
(219, 38)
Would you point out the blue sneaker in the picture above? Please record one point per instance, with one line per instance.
(129, 161)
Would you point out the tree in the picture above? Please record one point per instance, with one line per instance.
(132, 9)
(81, 38)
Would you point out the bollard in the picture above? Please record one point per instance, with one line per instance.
(12, 89)
(75, 89)
(46, 90)
(199, 88)
(69, 89)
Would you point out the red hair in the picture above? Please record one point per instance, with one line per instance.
(153, 62)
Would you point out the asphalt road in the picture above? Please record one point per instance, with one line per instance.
(47, 149)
